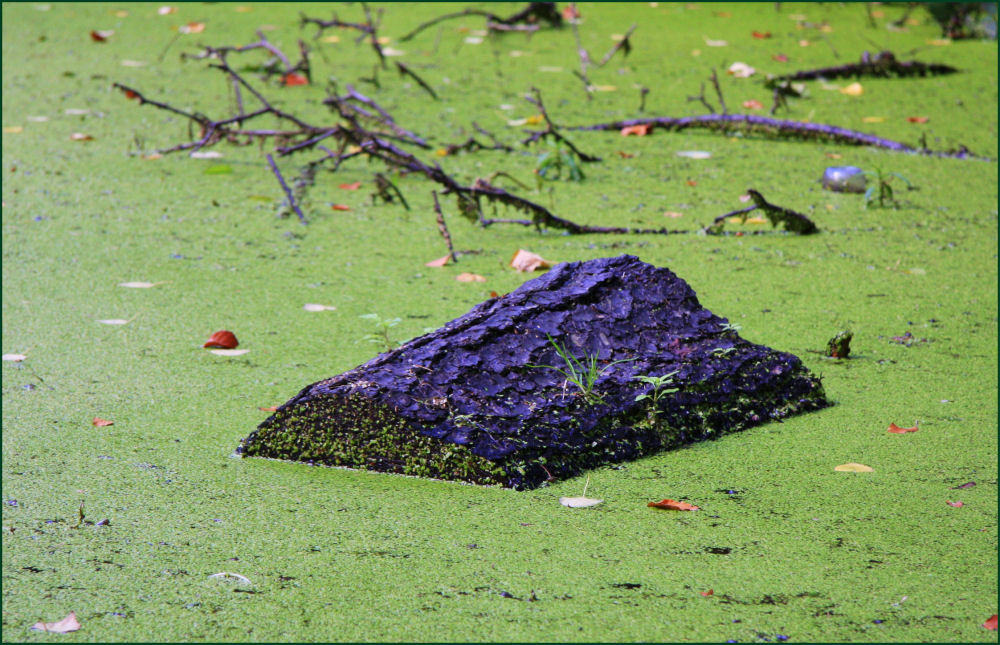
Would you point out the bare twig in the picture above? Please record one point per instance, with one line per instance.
(288, 191)
(443, 228)
(718, 91)
(406, 71)
(550, 129)
(622, 45)
(702, 99)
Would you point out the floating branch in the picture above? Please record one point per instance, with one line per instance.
(280, 64)
(346, 105)
(443, 228)
(288, 191)
(767, 126)
(622, 45)
(528, 19)
(550, 129)
(882, 65)
(406, 71)
(791, 221)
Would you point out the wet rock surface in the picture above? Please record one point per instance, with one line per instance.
(470, 402)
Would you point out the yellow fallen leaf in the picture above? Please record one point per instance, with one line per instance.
(331, 39)
(673, 214)
(527, 261)
(14, 129)
(854, 89)
(605, 88)
(384, 40)
(874, 119)
(470, 277)
(852, 467)
(121, 13)
(939, 42)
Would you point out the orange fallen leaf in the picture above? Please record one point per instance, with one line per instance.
(917, 119)
(100, 423)
(852, 467)
(753, 104)
(707, 593)
(691, 182)
(762, 35)
(625, 155)
(67, 624)
(673, 214)
(79, 136)
(352, 186)
(273, 408)
(991, 622)
(833, 155)
(440, 262)
(292, 79)
(470, 277)
(494, 294)
(192, 28)
(955, 504)
(640, 130)
(673, 505)
(100, 36)
(340, 207)
(527, 261)
(222, 340)
(895, 429)
(570, 12)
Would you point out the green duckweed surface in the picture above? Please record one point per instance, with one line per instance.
(789, 546)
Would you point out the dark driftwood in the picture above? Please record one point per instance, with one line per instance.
(881, 65)
(472, 401)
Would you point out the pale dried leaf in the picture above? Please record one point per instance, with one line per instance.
(579, 502)
(527, 261)
(225, 575)
(228, 352)
(852, 467)
(695, 154)
(312, 307)
(113, 321)
(17, 358)
(470, 277)
(137, 285)
(67, 624)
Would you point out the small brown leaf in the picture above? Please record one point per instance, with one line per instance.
(222, 340)
(67, 624)
(917, 119)
(100, 423)
(625, 155)
(673, 505)
(895, 429)
(762, 35)
(707, 593)
(527, 261)
(440, 262)
(273, 408)
(292, 79)
(781, 58)
(100, 36)
(470, 277)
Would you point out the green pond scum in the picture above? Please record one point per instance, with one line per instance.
(791, 549)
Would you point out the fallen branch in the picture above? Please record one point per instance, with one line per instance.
(882, 65)
(530, 16)
(406, 71)
(551, 130)
(443, 228)
(622, 45)
(792, 221)
(288, 191)
(778, 128)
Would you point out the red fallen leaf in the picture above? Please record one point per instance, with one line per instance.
(895, 429)
(781, 58)
(640, 130)
(917, 119)
(673, 505)
(273, 408)
(440, 262)
(707, 593)
(100, 423)
(753, 104)
(991, 622)
(762, 35)
(955, 504)
(293, 79)
(101, 36)
(353, 186)
(129, 94)
(625, 155)
(222, 340)
(341, 207)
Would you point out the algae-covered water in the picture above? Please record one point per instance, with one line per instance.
(790, 548)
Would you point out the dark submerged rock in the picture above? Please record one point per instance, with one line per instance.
(468, 401)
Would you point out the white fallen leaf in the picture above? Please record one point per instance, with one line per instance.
(312, 307)
(695, 154)
(17, 358)
(67, 624)
(716, 43)
(113, 321)
(137, 285)
(76, 112)
(579, 502)
(553, 70)
(473, 40)
(38, 119)
(205, 154)
(225, 575)
(133, 63)
(389, 51)
(228, 352)
(166, 10)
(741, 70)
